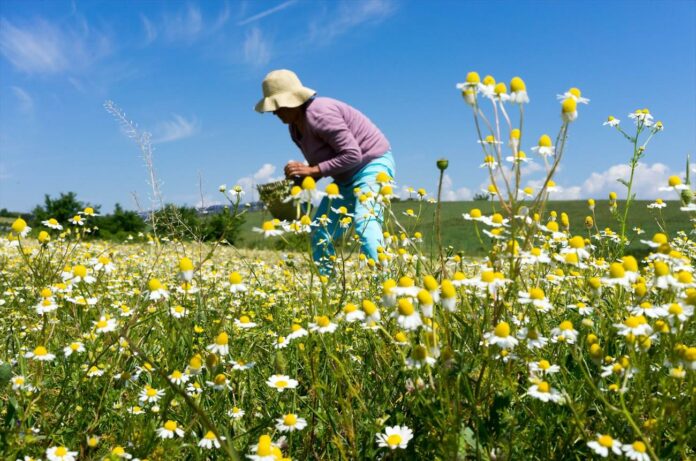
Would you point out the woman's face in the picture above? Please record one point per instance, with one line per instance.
(287, 115)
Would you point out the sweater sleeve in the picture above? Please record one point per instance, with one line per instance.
(332, 128)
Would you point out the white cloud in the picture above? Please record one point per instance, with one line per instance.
(647, 180)
(24, 100)
(257, 50)
(173, 130)
(267, 12)
(185, 25)
(150, 29)
(261, 176)
(44, 48)
(350, 14)
(450, 193)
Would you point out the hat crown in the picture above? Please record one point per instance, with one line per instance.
(280, 81)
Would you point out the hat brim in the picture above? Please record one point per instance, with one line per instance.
(288, 99)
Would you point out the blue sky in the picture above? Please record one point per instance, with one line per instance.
(191, 72)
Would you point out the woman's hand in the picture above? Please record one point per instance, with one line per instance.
(300, 169)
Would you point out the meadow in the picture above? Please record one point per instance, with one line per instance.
(552, 330)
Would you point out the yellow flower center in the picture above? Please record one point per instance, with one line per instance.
(170, 425)
(394, 440)
(543, 387)
(289, 420)
(502, 330)
(369, 307)
(323, 321)
(80, 271)
(536, 293)
(222, 339)
(577, 242)
(406, 307)
(424, 297)
(308, 183)
(268, 226)
(102, 323)
(544, 364)
(575, 92)
(154, 285)
(61, 451)
(244, 319)
(447, 289)
(281, 384)
(639, 446)
(350, 307)
(659, 238)
(500, 88)
(264, 448)
(220, 379)
(675, 309)
(606, 441)
(497, 218)
(210, 435)
(517, 84)
(661, 269)
(569, 106)
(617, 271)
(332, 189)
(40, 350)
(19, 225)
(473, 78)
(630, 264)
(571, 258)
(185, 264)
(488, 80)
(674, 181)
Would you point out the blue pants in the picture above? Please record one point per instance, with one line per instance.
(367, 217)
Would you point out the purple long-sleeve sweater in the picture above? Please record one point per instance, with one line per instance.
(338, 138)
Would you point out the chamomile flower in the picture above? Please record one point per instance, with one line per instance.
(372, 314)
(395, 437)
(77, 220)
(268, 229)
(407, 317)
(169, 430)
(603, 443)
(322, 324)
(536, 297)
(265, 450)
(569, 111)
(236, 283)
(281, 382)
(419, 357)
(236, 413)
(333, 192)
(119, 452)
(545, 146)
(45, 306)
(210, 441)
(244, 322)
(674, 183)
(543, 367)
(405, 287)
(290, 423)
(544, 392)
(501, 337)
(178, 377)
(565, 332)
(178, 312)
(297, 332)
(309, 190)
(351, 313)
(657, 204)
(20, 227)
(612, 121)
(636, 451)
(678, 312)
(221, 344)
(518, 91)
(105, 324)
(157, 290)
(150, 395)
(60, 453)
(75, 347)
(573, 93)
(41, 354)
(52, 223)
(474, 215)
(519, 157)
(641, 116)
(634, 325)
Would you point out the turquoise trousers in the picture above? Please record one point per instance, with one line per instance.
(367, 217)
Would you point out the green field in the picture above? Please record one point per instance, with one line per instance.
(460, 233)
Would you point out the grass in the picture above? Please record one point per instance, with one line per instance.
(461, 236)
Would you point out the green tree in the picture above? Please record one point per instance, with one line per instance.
(119, 224)
(62, 208)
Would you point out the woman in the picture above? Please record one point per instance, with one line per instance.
(338, 141)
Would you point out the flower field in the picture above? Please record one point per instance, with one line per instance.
(554, 345)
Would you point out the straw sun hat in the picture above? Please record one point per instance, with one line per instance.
(282, 88)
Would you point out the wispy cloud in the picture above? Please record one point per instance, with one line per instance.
(149, 28)
(257, 49)
(44, 48)
(176, 129)
(348, 15)
(267, 12)
(25, 102)
(185, 25)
